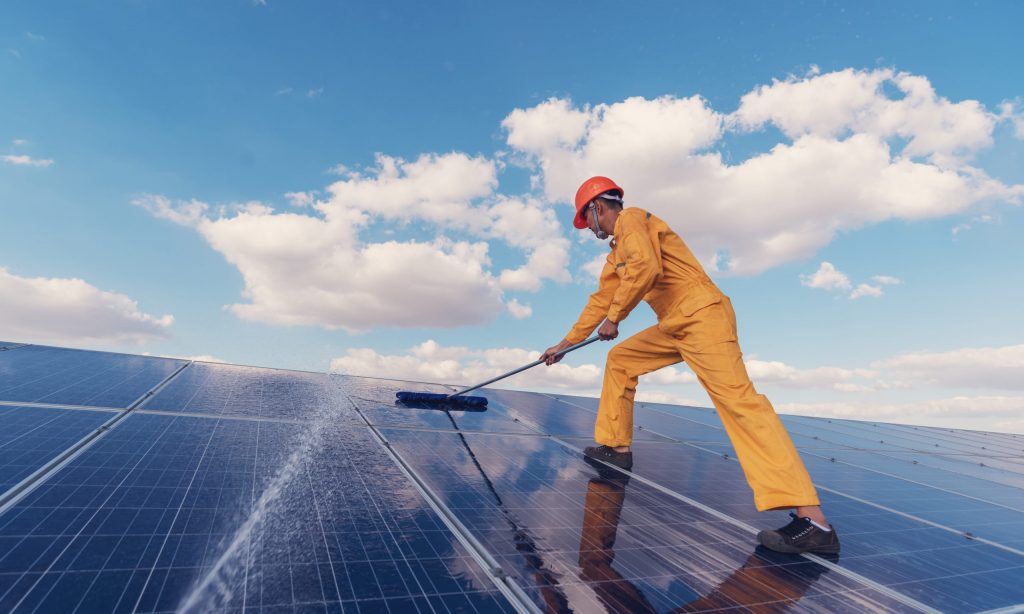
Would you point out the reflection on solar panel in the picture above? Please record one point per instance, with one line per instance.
(144, 484)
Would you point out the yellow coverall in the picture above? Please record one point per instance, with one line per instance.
(696, 324)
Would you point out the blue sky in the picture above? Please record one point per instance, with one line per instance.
(383, 188)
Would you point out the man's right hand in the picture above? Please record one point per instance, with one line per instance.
(549, 356)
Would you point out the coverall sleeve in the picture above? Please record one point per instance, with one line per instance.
(641, 267)
(597, 305)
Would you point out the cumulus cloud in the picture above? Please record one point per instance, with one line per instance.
(73, 312)
(853, 155)
(1000, 413)
(433, 362)
(965, 226)
(984, 367)
(23, 160)
(183, 213)
(314, 268)
(776, 372)
(518, 310)
(827, 277)
(863, 290)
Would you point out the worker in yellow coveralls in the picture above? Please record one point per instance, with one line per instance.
(696, 324)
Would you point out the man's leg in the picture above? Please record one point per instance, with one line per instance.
(646, 351)
(769, 460)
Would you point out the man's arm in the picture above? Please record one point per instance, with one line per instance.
(593, 314)
(641, 268)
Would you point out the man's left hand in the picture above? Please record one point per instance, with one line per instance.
(608, 331)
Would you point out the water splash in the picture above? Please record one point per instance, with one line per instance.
(232, 571)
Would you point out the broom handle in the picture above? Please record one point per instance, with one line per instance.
(525, 367)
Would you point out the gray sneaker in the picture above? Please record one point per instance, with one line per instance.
(800, 535)
(622, 460)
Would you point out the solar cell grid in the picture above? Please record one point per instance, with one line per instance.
(261, 488)
(536, 411)
(232, 513)
(31, 437)
(880, 436)
(587, 541)
(376, 399)
(232, 390)
(76, 377)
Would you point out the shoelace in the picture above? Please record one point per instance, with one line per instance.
(797, 528)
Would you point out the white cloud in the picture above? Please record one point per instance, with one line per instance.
(183, 213)
(964, 227)
(301, 199)
(865, 290)
(284, 91)
(669, 376)
(432, 362)
(657, 396)
(595, 266)
(775, 372)
(35, 37)
(1011, 111)
(314, 92)
(1000, 413)
(827, 277)
(837, 170)
(72, 312)
(14, 52)
(20, 142)
(22, 160)
(984, 367)
(518, 310)
(886, 280)
(314, 268)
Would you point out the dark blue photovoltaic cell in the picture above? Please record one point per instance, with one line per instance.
(171, 512)
(75, 377)
(588, 541)
(32, 436)
(879, 436)
(376, 398)
(231, 390)
(550, 416)
(903, 551)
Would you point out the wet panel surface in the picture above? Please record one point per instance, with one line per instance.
(376, 399)
(551, 416)
(588, 540)
(40, 374)
(178, 512)
(231, 390)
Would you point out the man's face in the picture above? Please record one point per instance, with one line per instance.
(596, 215)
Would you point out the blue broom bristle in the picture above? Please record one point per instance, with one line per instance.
(415, 398)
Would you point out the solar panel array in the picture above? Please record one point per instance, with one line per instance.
(134, 483)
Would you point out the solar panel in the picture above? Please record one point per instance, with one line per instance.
(179, 512)
(588, 541)
(42, 374)
(233, 390)
(242, 488)
(32, 436)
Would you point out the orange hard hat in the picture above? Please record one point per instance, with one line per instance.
(591, 189)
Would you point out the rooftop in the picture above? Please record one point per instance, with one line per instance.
(136, 483)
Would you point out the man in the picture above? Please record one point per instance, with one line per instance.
(696, 323)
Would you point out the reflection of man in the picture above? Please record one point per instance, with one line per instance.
(761, 582)
(696, 323)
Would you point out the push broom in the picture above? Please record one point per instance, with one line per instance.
(457, 399)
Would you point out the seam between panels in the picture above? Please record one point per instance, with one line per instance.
(508, 587)
(858, 499)
(889, 592)
(20, 490)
